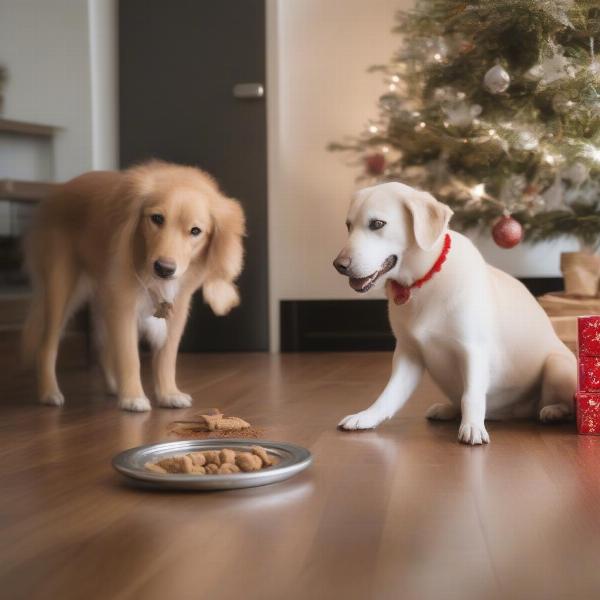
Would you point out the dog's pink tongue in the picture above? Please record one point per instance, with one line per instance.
(400, 293)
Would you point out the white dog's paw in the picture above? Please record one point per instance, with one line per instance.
(53, 399)
(554, 412)
(174, 400)
(442, 411)
(139, 404)
(367, 419)
(473, 433)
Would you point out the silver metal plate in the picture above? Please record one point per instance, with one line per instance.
(291, 460)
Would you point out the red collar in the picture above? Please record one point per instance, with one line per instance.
(401, 293)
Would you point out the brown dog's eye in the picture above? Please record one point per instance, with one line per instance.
(195, 231)
(375, 224)
(157, 219)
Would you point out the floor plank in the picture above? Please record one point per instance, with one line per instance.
(401, 512)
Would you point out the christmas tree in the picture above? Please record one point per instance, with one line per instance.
(494, 107)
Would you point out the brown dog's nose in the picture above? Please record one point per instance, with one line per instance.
(341, 263)
(165, 267)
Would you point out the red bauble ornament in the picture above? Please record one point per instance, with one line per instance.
(507, 232)
(375, 164)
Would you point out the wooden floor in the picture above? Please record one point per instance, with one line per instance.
(404, 512)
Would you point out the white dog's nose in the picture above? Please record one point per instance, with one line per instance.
(341, 263)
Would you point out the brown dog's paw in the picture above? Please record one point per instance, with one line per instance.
(139, 404)
(174, 400)
(53, 399)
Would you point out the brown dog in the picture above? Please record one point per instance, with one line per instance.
(138, 243)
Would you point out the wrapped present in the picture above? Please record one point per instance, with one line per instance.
(588, 413)
(589, 373)
(589, 336)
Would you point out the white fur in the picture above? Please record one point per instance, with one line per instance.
(151, 328)
(478, 332)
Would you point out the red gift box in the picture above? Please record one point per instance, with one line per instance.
(587, 398)
(589, 374)
(588, 413)
(589, 336)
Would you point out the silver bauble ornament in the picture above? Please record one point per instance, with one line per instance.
(577, 173)
(496, 80)
(526, 141)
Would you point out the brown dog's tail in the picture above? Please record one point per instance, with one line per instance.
(31, 337)
(32, 330)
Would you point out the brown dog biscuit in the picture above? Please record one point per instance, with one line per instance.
(198, 458)
(173, 464)
(227, 468)
(230, 424)
(262, 453)
(212, 457)
(154, 468)
(187, 464)
(227, 456)
(211, 469)
(247, 461)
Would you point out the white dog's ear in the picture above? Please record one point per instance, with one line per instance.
(225, 255)
(430, 218)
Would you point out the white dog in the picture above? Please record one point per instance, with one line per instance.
(481, 335)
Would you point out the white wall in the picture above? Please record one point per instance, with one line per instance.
(104, 75)
(319, 91)
(45, 46)
(61, 56)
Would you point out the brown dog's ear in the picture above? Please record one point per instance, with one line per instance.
(429, 217)
(225, 256)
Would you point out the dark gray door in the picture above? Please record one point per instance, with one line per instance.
(178, 63)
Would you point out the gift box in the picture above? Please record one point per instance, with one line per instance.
(588, 413)
(589, 336)
(587, 398)
(589, 373)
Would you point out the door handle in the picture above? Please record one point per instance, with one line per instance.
(248, 91)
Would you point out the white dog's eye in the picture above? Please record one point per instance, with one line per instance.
(195, 231)
(157, 219)
(375, 224)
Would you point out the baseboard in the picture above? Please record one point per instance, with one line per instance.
(354, 325)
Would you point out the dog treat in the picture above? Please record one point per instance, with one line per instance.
(212, 457)
(247, 461)
(198, 458)
(163, 310)
(227, 468)
(227, 456)
(156, 468)
(262, 453)
(211, 423)
(214, 462)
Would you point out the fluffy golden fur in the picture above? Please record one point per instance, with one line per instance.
(99, 238)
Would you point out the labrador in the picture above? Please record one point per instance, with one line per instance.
(477, 331)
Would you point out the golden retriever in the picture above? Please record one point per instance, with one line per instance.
(138, 244)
